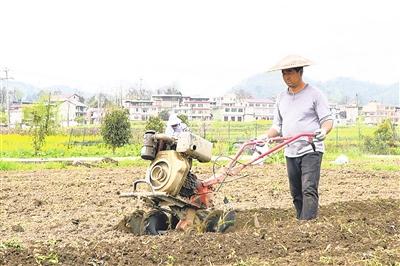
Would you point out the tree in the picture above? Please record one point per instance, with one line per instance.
(100, 100)
(41, 117)
(42, 94)
(116, 129)
(138, 94)
(80, 120)
(155, 123)
(163, 115)
(170, 90)
(383, 139)
(242, 94)
(3, 98)
(3, 117)
(16, 95)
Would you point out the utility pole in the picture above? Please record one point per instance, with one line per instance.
(120, 94)
(6, 100)
(357, 100)
(140, 93)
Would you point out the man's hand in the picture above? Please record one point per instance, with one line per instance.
(320, 134)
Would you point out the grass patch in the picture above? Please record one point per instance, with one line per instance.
(384, 166)
(15, 166)
(133, 163)
(363, 161)
(11, 244)
(51, 258)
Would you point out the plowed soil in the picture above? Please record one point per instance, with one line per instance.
(67, 217)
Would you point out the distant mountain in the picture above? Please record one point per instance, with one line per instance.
(25, 91)
(344, 90)
(62, 88)
(341, 90)
(262, 85)
(28, 92)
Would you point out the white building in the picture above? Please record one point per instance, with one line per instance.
(17, 113)
(397, 116)
(375, 112)
(95, 115)
(228, 108)
(166, 101)
(338, 114)
(141, 109)
(71, 110)
(352, 111)
(259, 109)
(72, 113)
(232, 108)
(195, 108)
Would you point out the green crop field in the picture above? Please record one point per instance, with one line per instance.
(19, 146)
(87, 141)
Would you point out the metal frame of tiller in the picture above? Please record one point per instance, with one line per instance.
(205, 188)
(231, 169)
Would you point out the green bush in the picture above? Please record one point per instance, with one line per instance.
(383, 140)
(41, 117)
(155, 123)
(3, 118)
(116, 129)
(163, 115)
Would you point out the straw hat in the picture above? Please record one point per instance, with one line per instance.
(291, 61)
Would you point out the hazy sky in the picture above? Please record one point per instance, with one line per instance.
(204, 47)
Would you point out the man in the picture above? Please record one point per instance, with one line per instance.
(301, 108)
(175, 126)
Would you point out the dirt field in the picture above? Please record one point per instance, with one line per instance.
(67, 217)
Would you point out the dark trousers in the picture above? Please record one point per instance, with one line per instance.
(304, 173)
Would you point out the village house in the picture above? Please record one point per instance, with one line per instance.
(375, 112)
(228, 108)
(232, 108)
(17, 113)
(141, 109)
(95, 115)
(259, 109)
(195, 108)
(71, 110)
(166, 101)
(352, 112)
(338, 113)
(397, 116)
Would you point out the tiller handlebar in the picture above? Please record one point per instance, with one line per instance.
(205, 188)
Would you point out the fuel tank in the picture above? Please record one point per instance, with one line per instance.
(194, 146)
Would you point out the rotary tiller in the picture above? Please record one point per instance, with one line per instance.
(174, 198)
